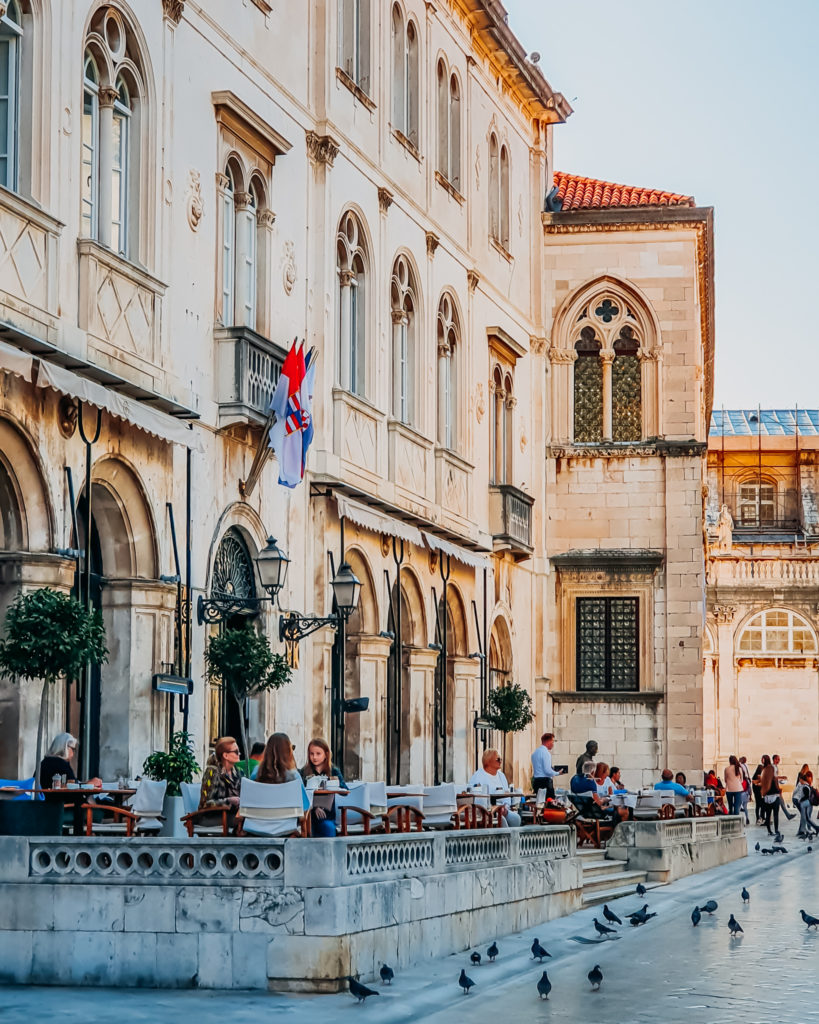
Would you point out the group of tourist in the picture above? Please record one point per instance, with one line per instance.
(272, 762)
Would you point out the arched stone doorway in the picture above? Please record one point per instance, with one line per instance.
(500, 674)
(123, 719)
(405, 720)
(232, 575)
(451, 634)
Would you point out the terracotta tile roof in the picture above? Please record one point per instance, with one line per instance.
(578, 193)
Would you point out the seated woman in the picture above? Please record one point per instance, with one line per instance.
(589, 802)
(278, 765)
(222, 780)
(605, 786)
(58, 761)
(491, 776)
(680, 779)
(320, 765)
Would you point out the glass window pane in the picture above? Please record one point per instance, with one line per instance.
(626, 411)
(588, 391)
(591, 643)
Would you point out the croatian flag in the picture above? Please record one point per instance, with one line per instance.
(291, 434)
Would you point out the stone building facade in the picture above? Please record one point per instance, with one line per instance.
(509, 408)
(760, 650)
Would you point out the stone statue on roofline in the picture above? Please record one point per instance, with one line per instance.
(725, 531)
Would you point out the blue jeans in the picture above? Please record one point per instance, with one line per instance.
(734, 802)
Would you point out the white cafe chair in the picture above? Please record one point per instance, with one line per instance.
(440, 804)
(270, 809)
(205, 821)
(142, 815)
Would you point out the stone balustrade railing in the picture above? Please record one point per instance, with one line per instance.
(726, 571)
(303, 863)
(671, 849)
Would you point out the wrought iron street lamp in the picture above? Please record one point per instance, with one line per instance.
(271, 565)
(346, 591)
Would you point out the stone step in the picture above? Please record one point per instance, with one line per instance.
(614, 880)
(598, 896)
(601, 867)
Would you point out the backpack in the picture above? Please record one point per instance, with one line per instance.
(814, 797)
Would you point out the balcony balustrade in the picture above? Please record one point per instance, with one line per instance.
(248, 369)
(510, 519)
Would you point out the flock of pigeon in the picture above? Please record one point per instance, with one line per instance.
(595, 975)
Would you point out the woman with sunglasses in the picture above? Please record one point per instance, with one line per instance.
(491, 776)
(222, 780)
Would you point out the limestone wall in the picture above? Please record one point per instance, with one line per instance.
(674, 849)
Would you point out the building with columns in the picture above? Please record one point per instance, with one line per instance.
(510, 401)
(760, 650)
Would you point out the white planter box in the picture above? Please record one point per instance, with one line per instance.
(173, 809)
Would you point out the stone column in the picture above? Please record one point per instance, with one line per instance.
(245, 258)
(138, 617)
(365, 731)
(607, 358)
(265, 219)
(400, 323)
(107, 98)
(559, 428)
(22, 572)
(345, 341)
(422, 662)
(467, 674)
(443, 411)
(726, 711)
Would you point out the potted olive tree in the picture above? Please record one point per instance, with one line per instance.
(48, 636)
(509, 709)
(175, 766)
(241, 659)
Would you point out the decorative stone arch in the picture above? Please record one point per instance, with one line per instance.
(765, 624)
(28, 523)
(407, 319)
(125, 523)
(500, 661)
(451, 363)
(415, 607)
(710, 648)
(457, 622)
(249, 524)
(616, 318)
(366, 617)
(355, 272)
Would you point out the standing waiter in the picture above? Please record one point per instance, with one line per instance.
(542, 771)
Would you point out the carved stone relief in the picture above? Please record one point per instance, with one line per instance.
(195, 205)
(480, 403)
(289, 274)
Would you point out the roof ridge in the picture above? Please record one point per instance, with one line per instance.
(577, 192)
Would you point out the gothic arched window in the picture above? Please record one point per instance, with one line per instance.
(403, 299)
(449, 336)
(588, 389)
(626, 405)
(405, 77)
(352, 266)
(777, 631)
(449, 126)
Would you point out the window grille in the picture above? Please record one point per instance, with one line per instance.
(607, 643)
(588, 389)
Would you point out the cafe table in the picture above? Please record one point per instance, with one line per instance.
(77, 797)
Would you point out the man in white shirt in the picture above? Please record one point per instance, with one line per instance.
(491, 776)
(542, 771)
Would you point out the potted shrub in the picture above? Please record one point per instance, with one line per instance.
(50, 636)
(509, 709)
(241, 659)
(175, 766)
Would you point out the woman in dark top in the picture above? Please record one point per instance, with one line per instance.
(222, 781)
(58, 761)
(320, 764)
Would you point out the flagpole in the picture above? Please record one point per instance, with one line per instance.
(246, 487)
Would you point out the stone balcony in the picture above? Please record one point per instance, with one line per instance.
(28, 265)
(248, 368)
(746, 570)
(510, 520)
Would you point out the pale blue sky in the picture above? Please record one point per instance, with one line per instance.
(715, 99)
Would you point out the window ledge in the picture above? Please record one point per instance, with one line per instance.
(450, 456)
(408, 431)
(28, 209)
(356, 401)
(263, 6)
(500, 248)
(355, 89)
(120, 265)
(447, 186)
(408, 145)
(607, 696)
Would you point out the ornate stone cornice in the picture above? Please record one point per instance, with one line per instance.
(630, 450)
(322, 149)
(385, 198)
(473, 279)
(537, 346)
(265, 218)
(222, 181)
(173, 10)
(433, 241)
(605, 564)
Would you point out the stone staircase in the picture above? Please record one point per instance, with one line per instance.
(607, 880)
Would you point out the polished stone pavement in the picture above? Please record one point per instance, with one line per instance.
(663, 971)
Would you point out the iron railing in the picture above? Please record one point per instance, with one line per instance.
(249, 366)
(510, 517)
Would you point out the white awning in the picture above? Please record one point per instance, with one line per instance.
(378, 522)
(470, 558)
(13, 360)
(152, 421)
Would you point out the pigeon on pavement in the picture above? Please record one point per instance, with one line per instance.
(746, 896)
(734, 925)
(641, 889)
(387, 974)
(811, 922)
(476, 959)
(595, 977)
(544, 986)
(810, 849)
(695, 916)
(778, 849)
(360, 991)
(610, 916)
(641, 917)
(538, 952)
(492, 952)
(602, 929)
(709, 907)
(765, 851)
(465, 982)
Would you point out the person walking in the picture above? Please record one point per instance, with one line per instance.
(780, 779)
(759, 804)
(542, 771)
(746, 787)
(803, 800)
(769, 787)
(733, 785)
